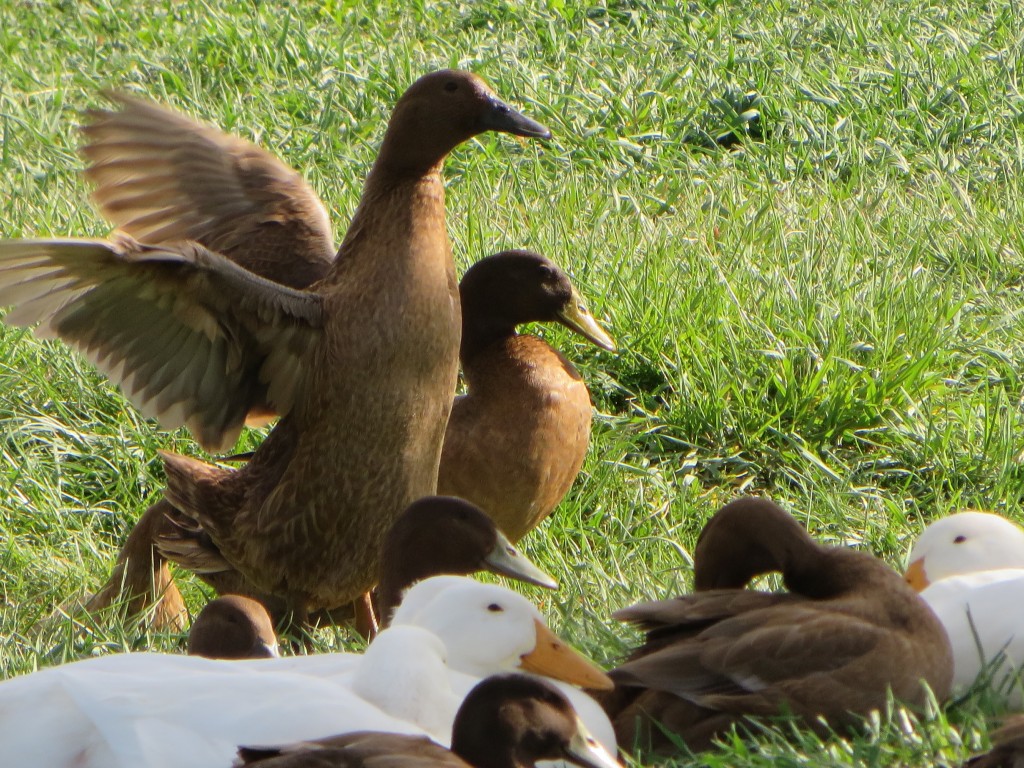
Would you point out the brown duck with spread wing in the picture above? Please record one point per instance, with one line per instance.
(361, 366)
(514, 443)
(517, 439)
(848, 631)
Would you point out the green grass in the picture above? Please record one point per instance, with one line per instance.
(831, 316)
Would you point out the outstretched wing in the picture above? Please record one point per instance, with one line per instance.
(162, 177)
(190, 337)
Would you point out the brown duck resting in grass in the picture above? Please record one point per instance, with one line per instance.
(514, 443)
(517, 439)
(233, 627)
(361, 366)
(506, 721)
(848, 631)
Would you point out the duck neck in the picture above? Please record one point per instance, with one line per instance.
(399, 226)
(750, 537)
(404, 155)
(398, 574)
(480, 332)
(485, 745)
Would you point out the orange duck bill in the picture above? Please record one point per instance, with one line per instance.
(915, 575)
(553, 658)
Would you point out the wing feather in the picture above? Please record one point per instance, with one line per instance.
(188, 335)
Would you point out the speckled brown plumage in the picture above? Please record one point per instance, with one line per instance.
(361, 366)
(517, 439)
(847, 632)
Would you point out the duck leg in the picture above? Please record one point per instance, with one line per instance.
(366, 616)
(141, 576)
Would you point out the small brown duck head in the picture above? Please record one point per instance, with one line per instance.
(509, 288)
(439, 535)
(751, 536)
(512, 721)
(233, 627)
(440, 111)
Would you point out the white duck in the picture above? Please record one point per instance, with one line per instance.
(160, 709)
(969, 568)
(509, 634)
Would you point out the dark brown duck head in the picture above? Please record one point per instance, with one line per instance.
(514, 287)
(751, 536)
(233, 627)
(439, 535)
(512, 721)
(440, 111)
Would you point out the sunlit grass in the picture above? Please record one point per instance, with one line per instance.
(830, 316)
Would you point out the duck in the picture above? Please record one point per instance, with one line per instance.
(506, 721)
(152, 708)
(509, 635)
(434, 535)
(371, 349)
(484, 628)
(847, 632)
(518, 437)
(513, 445)
(969, 568)
(1007, 746)
(233, 627)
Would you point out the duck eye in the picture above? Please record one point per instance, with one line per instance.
(451, 85)
(960, 539)
(495, 608)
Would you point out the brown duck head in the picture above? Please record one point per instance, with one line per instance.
(512, 721)
(440, 111)
(752, 536)
(439, 535)
(514, 287)
(233, 627)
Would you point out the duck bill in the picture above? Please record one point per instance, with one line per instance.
(576, 318)
(587, 751)
(501, 117)
(915, 575)
(553, 658)
(506, 560)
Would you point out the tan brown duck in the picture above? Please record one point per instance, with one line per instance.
(847, 632)
(517, 439)
(233, 627)
(361, 366)
(506, 721)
